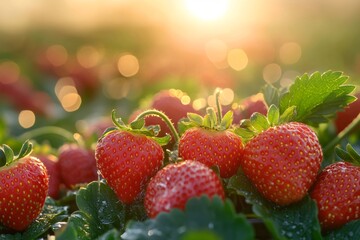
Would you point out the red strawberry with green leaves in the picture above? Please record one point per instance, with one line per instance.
(337, 191)
(23, 187)
(281, 158)
(210, 141)
(77, 165)
(128, 156)
(176, 183)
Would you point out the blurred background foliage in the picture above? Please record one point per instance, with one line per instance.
(67, 63)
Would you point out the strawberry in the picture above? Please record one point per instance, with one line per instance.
(77, 165)
(23, 187)
(344, 118)
(210, 141)
(176, 183)
(127, 157)
(337, 194)
(283, 161)
(52, 166)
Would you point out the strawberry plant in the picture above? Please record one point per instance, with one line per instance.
(272, 176)
(209, 140)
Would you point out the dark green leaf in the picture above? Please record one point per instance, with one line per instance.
(25, 150)
(349, 231)
(201, 214)
(317, 97)
(50, 215)
(8, 153)
(271, 95)
(342, 154)
(112, 234)
(99, 211)
(297, 221)
(354, 155)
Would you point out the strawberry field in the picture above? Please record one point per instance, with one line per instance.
(180, 120)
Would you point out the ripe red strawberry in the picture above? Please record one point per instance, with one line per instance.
(23, 187)
(337, 194)
(210, 141)
(77, 165)
(176, 183)
(344, 118)
(213, 148)
(52, 166)
(283, 161)
(127, 159)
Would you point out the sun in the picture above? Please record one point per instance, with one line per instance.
(207, 10)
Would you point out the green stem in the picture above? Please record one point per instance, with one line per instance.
(353, 125)
(48, 130)
(218, 105)
(165, 118)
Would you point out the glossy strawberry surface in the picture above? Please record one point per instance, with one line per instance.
(213, 148)
(283, 162)
(127, 161)
(176, 183)
(337, 194)
(77, 165)
(23, 189)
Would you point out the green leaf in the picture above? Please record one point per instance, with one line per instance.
(195, 118)
(288, 115)
(138, 124)
(208, 122)
(297, 221)
(227, 120)
(112, 234)
(162, 140)
(99, 211)
(349, 231)
(317, 97)
(244, 133)
(271, 95)
(273, 115)
(201, 214)
(25, 150)
(259, 122)
(8, 153)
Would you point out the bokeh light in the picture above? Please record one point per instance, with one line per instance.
(227, 96)
(89, 56)
(272, 72)
(57, 55)
(128, 65)
(216, 50)
(237, 59)
(26, 118)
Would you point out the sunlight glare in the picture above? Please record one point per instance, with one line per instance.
(207, 9)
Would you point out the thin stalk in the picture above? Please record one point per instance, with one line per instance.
(154, 112)
(48, 130)
(353, 125)
(218, 105)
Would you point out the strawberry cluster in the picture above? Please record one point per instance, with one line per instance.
(276, 152)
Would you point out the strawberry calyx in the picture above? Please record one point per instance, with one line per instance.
(138, 126)
(213, 119)
(7, 155)
(348, 155)
(258, 122)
